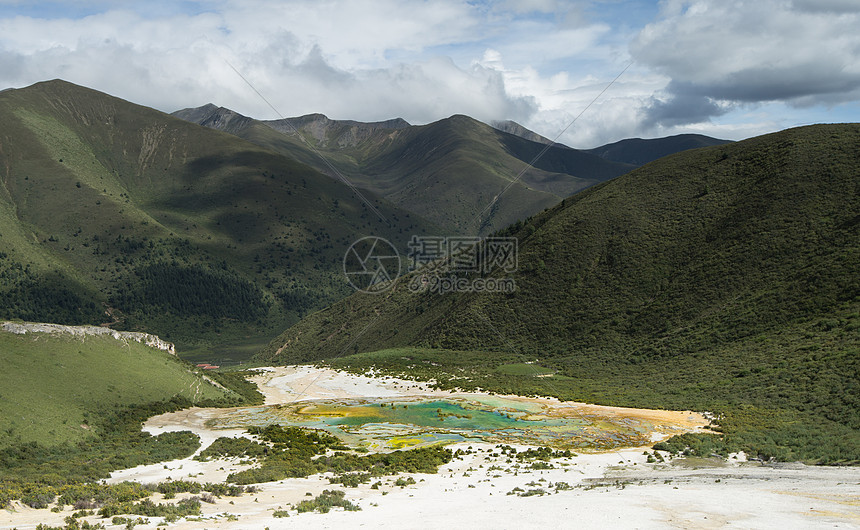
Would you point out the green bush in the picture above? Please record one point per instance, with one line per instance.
(325, 501)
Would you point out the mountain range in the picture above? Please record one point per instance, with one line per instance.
(449, 172)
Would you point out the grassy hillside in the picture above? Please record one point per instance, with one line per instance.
(58, 388)
(113, 212)
(448, 171)
(719, 278)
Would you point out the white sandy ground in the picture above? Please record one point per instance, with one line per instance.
(611, 490)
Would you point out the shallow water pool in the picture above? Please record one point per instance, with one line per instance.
(394, 424)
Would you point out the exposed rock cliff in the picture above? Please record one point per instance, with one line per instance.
(80, 331)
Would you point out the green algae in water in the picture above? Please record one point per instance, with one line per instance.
(433, 414)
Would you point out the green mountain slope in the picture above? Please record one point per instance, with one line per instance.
(183, 231)
(448, 171)
(718, 278)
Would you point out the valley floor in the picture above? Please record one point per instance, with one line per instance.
(616, 489)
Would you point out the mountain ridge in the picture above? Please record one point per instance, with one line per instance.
(639, 151)
(425, 168)
(447, 171)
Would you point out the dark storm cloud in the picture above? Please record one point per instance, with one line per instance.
(683, 106)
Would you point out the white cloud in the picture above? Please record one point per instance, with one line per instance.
(702, 65)
(529, 6)
(724, 53)
(587, 117)
(304, 56)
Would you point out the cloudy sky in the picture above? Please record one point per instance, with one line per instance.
(726, 68)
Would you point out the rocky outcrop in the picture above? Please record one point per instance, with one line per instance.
(512, 127)
(217, 118)
(152, 341)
